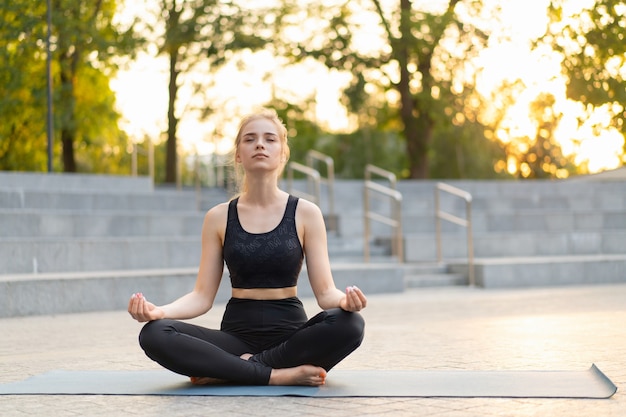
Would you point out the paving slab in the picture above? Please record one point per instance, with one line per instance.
(457, 328)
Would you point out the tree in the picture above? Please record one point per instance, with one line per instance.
(462, 152)
(101, 144)
(22, 77)
(201, 33)
(540, 156)
(592, 41)
(84, 44)
(86, 38)
(419, 66)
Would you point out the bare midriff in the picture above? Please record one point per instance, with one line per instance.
(264, 293)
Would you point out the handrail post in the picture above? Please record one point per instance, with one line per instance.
(197, 181)
(312, 156)
(366, 226)
(470, 245)
(438, 226)
(311, 174)
(137, 150)
(150, 158)
(398, 229)
(467, 223)
(394, 221)
(133, 161)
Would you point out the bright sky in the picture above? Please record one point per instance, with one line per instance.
(141, 92)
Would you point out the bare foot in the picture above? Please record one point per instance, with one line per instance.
(205, 380)
(246, 356)
(308, 375)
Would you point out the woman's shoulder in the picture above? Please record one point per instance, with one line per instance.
(307, 204)
(217, 212)
(308, 209)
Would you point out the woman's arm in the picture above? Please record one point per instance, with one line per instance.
(200, 299)
(311, 226)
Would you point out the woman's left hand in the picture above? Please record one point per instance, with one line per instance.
(354, 300)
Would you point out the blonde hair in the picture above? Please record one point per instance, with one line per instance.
(272, 116)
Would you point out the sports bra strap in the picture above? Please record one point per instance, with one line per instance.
(292, 203)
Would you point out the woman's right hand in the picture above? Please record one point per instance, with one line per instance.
(142, 310)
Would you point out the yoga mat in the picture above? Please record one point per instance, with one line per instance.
(591, 383)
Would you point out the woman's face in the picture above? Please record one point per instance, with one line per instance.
(260, 146)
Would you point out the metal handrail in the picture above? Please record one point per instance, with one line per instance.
(312, 156)
(394, 221)
(150, 154)
(467, 223)
(312, 175)
(390, 176)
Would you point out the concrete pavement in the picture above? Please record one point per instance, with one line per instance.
(564, 328)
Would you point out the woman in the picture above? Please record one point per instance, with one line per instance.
(263, 236)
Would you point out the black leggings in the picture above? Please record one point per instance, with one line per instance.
(276, 332)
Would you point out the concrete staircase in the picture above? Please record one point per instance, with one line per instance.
(71, 243)
(532, 233)
(86, 242)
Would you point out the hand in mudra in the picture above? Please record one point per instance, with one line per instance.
(354, 300)
(142, 310)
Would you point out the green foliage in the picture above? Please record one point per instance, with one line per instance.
(101, 145)
(302, 132)
(540, 156)
(379, 145)
(378, 141)
(23, 84)
(425, 51)
(84, 42)
(464, 152)
(593, 45)
(205, 32)
(589, 40)
(384, 149)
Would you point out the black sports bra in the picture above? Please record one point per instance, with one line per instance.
(263, 260)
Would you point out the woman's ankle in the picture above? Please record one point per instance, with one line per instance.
(307, 375)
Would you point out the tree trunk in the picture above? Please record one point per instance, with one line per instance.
(68, 124)
(171, 159)
(419, 136)
(417, 123)
(67, 140)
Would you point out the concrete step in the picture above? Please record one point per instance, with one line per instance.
(444, 279)
(95, 199)
(432, 275)
(53, 254)
(497, 204)
(549, 220)
(46, 255)
(32, 222)
(420, 248)
(352, 249)
(483, 222)
(74, 182)
(491, 196)
(539, 271)
(100, 200)
(103, 223)
(37, 294)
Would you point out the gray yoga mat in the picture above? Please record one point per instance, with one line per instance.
(591, 383)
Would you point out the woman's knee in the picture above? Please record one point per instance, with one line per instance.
(152, 334)
(352, 324)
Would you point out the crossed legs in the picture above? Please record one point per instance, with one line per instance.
(302, 359)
